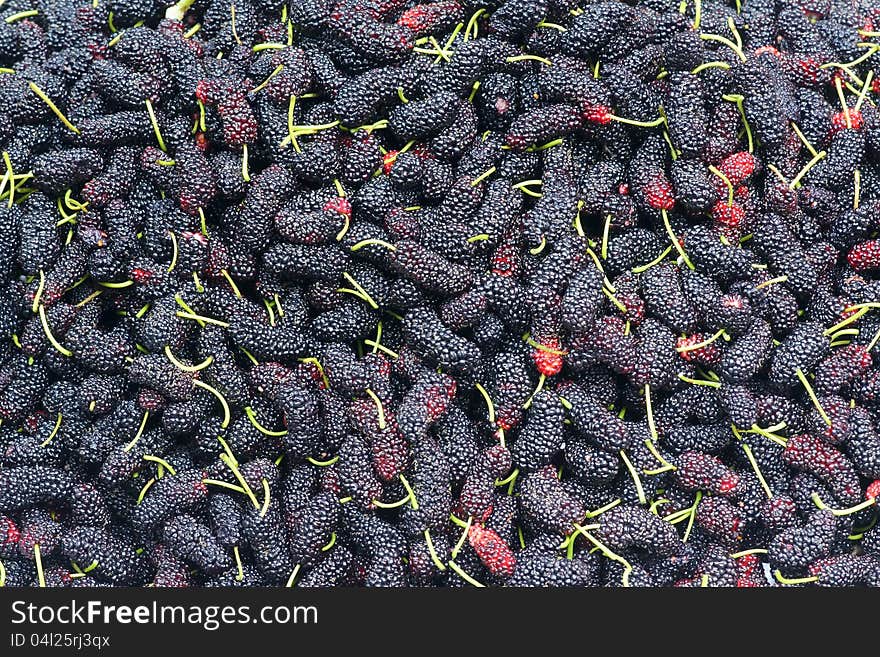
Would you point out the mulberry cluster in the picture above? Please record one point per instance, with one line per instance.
(399, 293)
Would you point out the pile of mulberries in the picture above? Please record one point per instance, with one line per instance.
(439, 294)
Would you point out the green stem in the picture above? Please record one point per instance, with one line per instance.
(464, 535)
(380, 409)
(727, 42)
(816, 158)
(707, 65)
(292, 578)
(603, 509)
(804, 140)
(864, 91)
(41, 577)
(653, 449)
(509, 479)
(467, 578)
(364, 293)
(39, 292)
(635, 476)
(52, 106)
(245, 168)
(379, 242)
(165, 464)
(439, 564)
(649, 411)
(187, 368)
(265, 82)
(412, 495)
(267, 497)
(812, 395)
(856, 316)
(793, 581)
(143, 491)
(488, 399)
(391, 505)
(627, 567)
(674, 239)
(751, 457)
(233, 466)
(739, 555)
(654, 262)
(536, 58)
(458, 521)
(155, 124)
(323, 464)
(227, 415)
(769, 435)
(488, 172)
(252, 416)
(772, 281)
(54, 431)
(49, 335)
(867, 504)
(22, 14)
(202, 318)
(178, 11)
(693, 515)
(472, 24)
(223, 484)
(726, 181)
(381, 347)
(640, 124)
(700, 345)
(140, 432)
